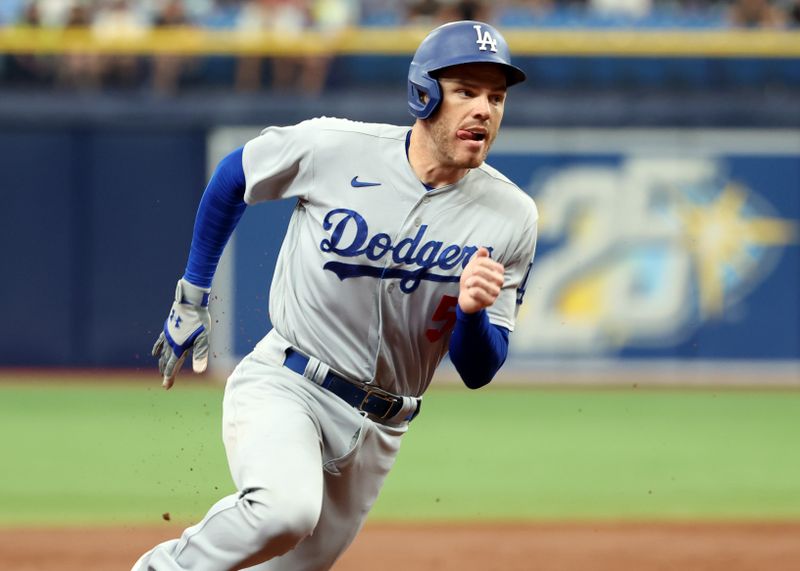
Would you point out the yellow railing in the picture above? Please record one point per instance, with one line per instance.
(389, 41)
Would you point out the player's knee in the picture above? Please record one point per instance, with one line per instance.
(298, 522)
(281, 523)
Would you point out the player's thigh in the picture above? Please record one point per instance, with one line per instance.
(270, 435)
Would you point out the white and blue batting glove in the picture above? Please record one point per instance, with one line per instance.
(186, 328)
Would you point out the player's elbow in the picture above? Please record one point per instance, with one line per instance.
(479, 372)
(477, 377)
(475, 384)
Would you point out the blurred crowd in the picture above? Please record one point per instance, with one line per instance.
(307, 74)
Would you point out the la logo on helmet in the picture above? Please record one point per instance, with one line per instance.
(485, 39)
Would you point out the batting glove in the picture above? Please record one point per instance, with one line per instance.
(186, 328)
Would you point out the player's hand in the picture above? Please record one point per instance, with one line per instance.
(186, 328)
(480, 282)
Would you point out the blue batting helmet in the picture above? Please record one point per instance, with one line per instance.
(454, 43)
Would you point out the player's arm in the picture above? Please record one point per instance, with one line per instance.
(221, 207)
(477, 347)
(186, 327)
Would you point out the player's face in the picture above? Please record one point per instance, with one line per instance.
(466, 124)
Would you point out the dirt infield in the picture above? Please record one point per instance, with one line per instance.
(460, 547)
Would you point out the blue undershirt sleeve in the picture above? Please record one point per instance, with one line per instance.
(219, 212)
(477, 348)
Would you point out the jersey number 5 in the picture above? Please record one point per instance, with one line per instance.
(445, 313)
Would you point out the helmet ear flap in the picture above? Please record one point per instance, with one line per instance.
(424, 93)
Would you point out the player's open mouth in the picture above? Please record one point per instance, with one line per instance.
(467, 135)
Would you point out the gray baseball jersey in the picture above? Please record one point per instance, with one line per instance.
(367, 276)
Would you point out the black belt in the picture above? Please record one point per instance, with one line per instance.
(371, 400)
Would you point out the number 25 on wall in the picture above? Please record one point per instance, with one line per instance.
(445, 315)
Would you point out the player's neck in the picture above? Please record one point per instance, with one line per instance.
(422, 156)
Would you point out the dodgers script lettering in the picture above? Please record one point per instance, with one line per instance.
(350, 238)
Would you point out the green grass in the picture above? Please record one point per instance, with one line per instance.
(601, 454)
(126, 453)
(111, 454)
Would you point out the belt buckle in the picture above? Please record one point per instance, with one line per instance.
(385, 398)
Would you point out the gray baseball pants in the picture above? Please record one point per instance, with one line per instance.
(307, 467)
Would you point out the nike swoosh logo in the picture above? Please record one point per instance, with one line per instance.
(355, 183)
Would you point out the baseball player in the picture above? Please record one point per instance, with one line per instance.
(403, 246)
